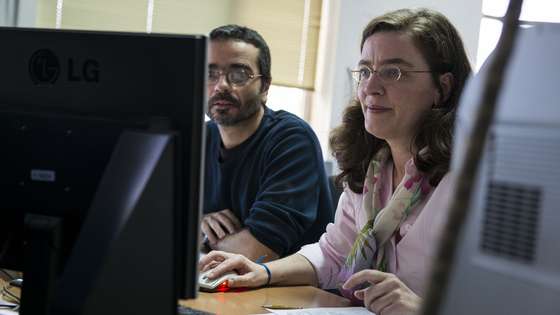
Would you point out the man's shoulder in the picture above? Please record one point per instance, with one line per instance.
(283, 122)
(210, 124)
(211, 129)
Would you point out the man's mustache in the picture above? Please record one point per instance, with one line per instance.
(223, 97)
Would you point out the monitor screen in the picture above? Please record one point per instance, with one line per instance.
(103, 136)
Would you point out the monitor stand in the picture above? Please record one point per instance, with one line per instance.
(43, 240)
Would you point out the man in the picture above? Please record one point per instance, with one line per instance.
(266, 192)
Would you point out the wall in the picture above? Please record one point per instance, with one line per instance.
(17, 13)
(339, 48)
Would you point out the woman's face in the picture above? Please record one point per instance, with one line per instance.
(393, 110)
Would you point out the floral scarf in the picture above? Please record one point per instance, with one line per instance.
(382, 223)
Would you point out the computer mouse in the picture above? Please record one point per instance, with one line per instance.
(215, 285)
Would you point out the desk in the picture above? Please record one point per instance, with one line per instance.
(251, 301)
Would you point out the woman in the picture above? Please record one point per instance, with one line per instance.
(393, 148)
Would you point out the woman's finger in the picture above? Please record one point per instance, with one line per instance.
(379, 304)
(368, 275)
(379, 289)
(234, 262)
(214, 255)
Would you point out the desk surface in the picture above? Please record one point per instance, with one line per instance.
(251, 301)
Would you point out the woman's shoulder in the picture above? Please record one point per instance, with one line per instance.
(350, 197)
(445, 184)
(440, 199)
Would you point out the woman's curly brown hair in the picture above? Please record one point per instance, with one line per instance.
(440, 44)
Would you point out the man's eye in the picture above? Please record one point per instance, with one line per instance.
(239, 76)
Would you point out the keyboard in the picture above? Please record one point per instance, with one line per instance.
(185, 310)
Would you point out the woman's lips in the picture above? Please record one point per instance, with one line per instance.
(377, 109)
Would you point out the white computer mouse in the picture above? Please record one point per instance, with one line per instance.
(214, 285)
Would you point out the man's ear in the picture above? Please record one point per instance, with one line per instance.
(446, 82)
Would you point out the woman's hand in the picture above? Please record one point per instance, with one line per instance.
(386, 294)
(250, 274)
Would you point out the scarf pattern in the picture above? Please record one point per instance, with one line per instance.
(372, 241)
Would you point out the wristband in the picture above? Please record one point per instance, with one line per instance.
(268, 273)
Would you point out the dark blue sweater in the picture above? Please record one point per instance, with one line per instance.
(274, 182)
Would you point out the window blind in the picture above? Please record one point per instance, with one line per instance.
(290, 27)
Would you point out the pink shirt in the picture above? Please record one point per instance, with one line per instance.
(409, 260)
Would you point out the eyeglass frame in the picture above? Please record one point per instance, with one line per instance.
(226, 72)
(372, 71)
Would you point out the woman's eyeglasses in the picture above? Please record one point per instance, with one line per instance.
(387, 73)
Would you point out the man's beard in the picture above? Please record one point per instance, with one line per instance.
(225, 118)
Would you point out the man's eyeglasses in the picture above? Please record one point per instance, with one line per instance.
(234, 76)
(387, 74)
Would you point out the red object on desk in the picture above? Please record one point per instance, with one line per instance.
(223, 287)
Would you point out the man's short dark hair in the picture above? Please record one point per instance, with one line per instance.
(247, 35)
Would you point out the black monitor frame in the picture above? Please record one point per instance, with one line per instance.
(153, 82)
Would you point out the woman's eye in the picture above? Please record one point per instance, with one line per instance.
(365, 73)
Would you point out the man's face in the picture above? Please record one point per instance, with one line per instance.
(230, 103)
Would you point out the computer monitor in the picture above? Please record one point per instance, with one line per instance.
(508, 259)
(101, 168)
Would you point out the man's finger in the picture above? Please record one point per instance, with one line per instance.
(226, 222)
(232, 217)
(216, 228)
(212, 238)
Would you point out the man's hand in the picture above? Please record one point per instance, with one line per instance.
(386, 295)
(218, 225)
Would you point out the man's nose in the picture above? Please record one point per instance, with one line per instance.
(222, 84)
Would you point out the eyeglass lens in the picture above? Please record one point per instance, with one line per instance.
(385, 73)
(235, 76)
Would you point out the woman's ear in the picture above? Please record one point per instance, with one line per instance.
(446, 81)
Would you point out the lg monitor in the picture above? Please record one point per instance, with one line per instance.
(101, 168)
